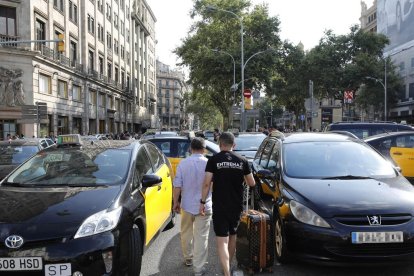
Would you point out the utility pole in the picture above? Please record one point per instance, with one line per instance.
(311, 104)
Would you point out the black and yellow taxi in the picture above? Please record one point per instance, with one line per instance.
(84, 208)
(398, 147)
(334, 199)
(176, 148)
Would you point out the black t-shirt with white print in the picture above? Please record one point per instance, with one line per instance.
(228, 170)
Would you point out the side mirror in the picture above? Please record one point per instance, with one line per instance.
(398, 169)
(150, 180)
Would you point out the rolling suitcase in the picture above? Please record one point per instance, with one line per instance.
(254, 246)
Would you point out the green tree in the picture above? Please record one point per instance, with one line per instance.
(344, 62)
(211, 73)
(208, 114)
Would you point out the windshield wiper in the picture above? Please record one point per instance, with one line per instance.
(349, 176)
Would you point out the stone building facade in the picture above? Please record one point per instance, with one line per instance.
(103, 81)
(171, 88)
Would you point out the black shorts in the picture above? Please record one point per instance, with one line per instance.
(225, 224)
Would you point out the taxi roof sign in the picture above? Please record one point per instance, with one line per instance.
(69, 139)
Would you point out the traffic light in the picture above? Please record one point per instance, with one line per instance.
(61, 43)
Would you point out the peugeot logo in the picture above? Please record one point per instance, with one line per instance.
(374, 220)
(13, 241)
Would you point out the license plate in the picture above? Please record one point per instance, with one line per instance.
(377, 237)
(11, 264)
(64, 269)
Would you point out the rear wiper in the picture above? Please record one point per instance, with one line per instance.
(349, 176)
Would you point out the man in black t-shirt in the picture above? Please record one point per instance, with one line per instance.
(227, 171)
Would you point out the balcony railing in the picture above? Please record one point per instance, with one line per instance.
(6, 38)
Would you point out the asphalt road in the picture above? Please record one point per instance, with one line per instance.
(164, 258)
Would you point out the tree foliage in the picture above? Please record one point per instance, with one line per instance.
(211, 73)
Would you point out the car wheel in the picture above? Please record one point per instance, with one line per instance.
(280, 241)
(134, 252)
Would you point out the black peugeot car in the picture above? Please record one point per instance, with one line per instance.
(334, 199)
(84, 208)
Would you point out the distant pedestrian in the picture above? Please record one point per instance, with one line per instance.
(216, 134)
(195, 228)
(227, 171)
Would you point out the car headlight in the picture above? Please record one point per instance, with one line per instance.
(99, 222)
(306, 215)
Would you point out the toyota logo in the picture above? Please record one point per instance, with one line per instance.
(13, 241)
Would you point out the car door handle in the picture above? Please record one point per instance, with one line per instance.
(159, 187)
(397, 153)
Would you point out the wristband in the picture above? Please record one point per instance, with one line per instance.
(202, 201)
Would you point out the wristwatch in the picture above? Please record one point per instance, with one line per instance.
(202, 201)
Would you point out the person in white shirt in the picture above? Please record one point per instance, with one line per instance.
(194, 227)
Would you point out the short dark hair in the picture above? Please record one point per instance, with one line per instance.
(198, 143)
(226, 138)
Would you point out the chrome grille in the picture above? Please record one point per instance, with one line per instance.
(362, 220)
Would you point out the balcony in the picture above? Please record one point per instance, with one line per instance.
(6, 38)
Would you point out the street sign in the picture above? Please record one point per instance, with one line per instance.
(247, 93)
(34, 113)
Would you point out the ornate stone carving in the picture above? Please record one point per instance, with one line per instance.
(11, 88)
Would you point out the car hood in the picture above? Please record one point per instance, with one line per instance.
(50, 211)
(249, 154)
(330, 198)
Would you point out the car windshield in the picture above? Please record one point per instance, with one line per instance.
(16, 154)
(334, 160)
(73, 167)
(249, 143)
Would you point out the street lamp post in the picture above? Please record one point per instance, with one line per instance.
(242, 59)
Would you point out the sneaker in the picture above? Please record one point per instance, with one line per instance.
(201, 272)
(188, 262)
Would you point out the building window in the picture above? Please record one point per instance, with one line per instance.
(127, 35)
(109, 40)
(100, 5)
(91, 60)
(73, 12)
(122, 4)
(109, 74)
(91, 24)
(111, 102)
(128, 57)
(62, 89)
(122, 27)
(101, 65)
(123, 79)
(116, 74)
(58, 4)
(73, 52)
(108, 11)
(412, 63)
(76, 93)
(45, 84)
(115, 20)
(122, 51)
(411, 90)
(116, 46)
(40, 33)
(102, 102)
(100, 32)
(92, 97)
(7, 21)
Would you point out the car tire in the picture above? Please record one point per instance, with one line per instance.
(134, 252)
(281, 252)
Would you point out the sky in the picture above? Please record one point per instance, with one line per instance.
(300, 21)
